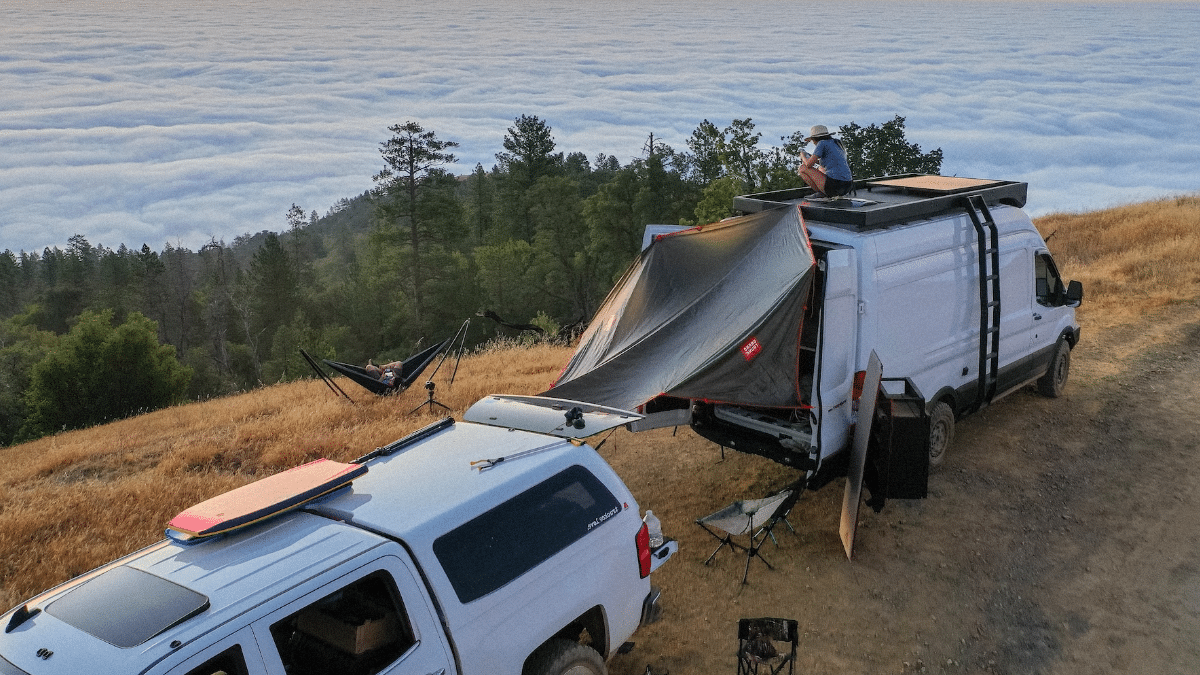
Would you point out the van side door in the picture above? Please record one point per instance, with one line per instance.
(1017, 317)
(371, 620)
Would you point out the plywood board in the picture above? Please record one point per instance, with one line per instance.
(858, 454)
(936, 183)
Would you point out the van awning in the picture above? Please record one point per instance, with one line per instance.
(709, 313)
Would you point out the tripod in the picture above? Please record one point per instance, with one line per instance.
(461, 338)
(430, 402)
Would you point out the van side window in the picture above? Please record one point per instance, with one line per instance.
(500, 545)
(358, 630)
(1048, 286)
(228, 662)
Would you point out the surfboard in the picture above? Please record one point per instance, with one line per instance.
(262, 499)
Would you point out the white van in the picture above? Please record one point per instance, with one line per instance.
(946, 279)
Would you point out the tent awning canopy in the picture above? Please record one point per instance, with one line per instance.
(710, 313)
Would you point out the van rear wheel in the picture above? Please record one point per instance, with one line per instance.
(1054, 381)
(941, 432)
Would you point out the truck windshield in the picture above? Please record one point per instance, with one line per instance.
(125, 606)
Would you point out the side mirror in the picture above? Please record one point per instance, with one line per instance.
(1074, 294)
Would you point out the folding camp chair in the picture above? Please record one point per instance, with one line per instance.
(757, 646)
(781, 515)
(752, 518)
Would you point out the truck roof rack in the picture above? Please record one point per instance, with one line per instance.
(889, 200)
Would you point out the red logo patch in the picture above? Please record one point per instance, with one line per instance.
(751, 348)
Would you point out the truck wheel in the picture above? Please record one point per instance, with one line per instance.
(1055, 380)
(564, 657)
(941, 432)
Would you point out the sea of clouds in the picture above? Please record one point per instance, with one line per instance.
(179, 122)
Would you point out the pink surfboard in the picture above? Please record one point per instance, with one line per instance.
(262, 499)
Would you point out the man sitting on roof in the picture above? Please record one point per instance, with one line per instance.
(832, 178)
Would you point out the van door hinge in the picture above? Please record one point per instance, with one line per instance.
(862, 308)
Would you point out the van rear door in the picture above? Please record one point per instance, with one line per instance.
(835, 351)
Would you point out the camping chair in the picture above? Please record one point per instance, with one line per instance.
(781, 515)
(753, 518)
(757, 648)
(410, 369)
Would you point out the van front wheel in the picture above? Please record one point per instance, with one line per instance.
(941, 432)
(1055, 380)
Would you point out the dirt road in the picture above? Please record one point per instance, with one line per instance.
(1060, 536)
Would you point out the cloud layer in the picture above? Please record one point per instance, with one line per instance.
(176, 122)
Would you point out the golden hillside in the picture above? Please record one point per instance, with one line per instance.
(73, 501)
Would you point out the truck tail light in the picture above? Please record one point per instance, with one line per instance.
(643, 550)
(860, 379)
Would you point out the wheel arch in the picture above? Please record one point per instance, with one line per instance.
(594, 622)
(947, 394)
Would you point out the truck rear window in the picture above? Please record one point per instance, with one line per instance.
(491, 550)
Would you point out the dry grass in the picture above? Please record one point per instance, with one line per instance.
(1131, 259)
(71, 502)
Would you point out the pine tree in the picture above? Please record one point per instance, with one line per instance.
(412, 156)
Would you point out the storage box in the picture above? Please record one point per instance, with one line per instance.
(351, 635)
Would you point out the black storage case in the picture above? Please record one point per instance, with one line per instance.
(899, 449)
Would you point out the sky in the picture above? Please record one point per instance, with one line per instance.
(172, 122)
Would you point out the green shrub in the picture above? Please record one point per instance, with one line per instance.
(99, 373)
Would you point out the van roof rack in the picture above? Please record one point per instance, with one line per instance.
(889, 200)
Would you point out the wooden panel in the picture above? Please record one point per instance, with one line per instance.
(936, 183)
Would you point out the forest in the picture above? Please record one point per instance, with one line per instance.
(90, 333)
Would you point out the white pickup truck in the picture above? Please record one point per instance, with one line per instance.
(465, 548)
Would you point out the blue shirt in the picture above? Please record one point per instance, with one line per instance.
(833, 159)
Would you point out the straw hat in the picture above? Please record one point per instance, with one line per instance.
(818, 131)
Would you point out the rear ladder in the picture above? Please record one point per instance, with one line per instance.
(989, 298)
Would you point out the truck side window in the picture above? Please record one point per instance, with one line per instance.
(500, 545)
(1048, 286)
(228, 662)
(358, 630)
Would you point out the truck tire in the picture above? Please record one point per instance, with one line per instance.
(941, 432)
(564, 657)
(1054, 381)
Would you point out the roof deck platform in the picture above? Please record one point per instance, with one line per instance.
(890, 200)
